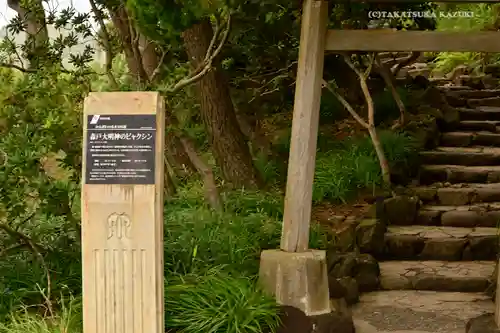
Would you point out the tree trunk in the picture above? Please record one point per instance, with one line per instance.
(36, 29)
(129, 41)
(150, 59)
(228, 144)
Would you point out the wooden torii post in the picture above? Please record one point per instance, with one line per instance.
(296, 275)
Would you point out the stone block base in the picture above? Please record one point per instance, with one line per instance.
(297, 279)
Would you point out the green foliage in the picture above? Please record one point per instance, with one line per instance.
(48, 53)
(41, 112)
(40, 150)
(100, 82)
(485, 17)
(354, 166)
(167, 19)
(446, 62)
(218, 302)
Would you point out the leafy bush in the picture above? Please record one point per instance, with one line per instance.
(354, 165)
(446, 62)
(39, 229)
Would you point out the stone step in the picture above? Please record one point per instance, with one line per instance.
(467, 139)
(474, 156)
(417, 311)
(440, 243)
(458, 194)
(468, 216)
(464, 276)
(480, 113)
(472, 93)
(430, 174)
(448, 88)
(479, 125)
(489, 101)
(456, 101)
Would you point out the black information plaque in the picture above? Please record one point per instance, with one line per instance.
(120, 149)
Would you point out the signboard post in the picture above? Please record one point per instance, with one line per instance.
(122, 213)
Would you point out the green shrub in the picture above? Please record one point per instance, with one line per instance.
(40, 115)
(354, 165)
(218, 302)
(446, 62)
(198, 238)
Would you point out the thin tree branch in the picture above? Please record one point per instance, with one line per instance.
(35, 250)
(388, 77)
(206, 66)
(346, 104)
(157, 70)
(28, 70)
(7, 250)
(364, 88)
(411, 58)
(218, 28)
(212, 194)
(223, 40)
(19, 68)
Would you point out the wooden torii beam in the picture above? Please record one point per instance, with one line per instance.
(383, 40)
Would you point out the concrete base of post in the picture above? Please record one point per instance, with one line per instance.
(297, 279)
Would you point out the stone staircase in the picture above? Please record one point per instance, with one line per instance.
(435, 273)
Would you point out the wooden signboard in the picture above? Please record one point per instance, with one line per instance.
(122, 213)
